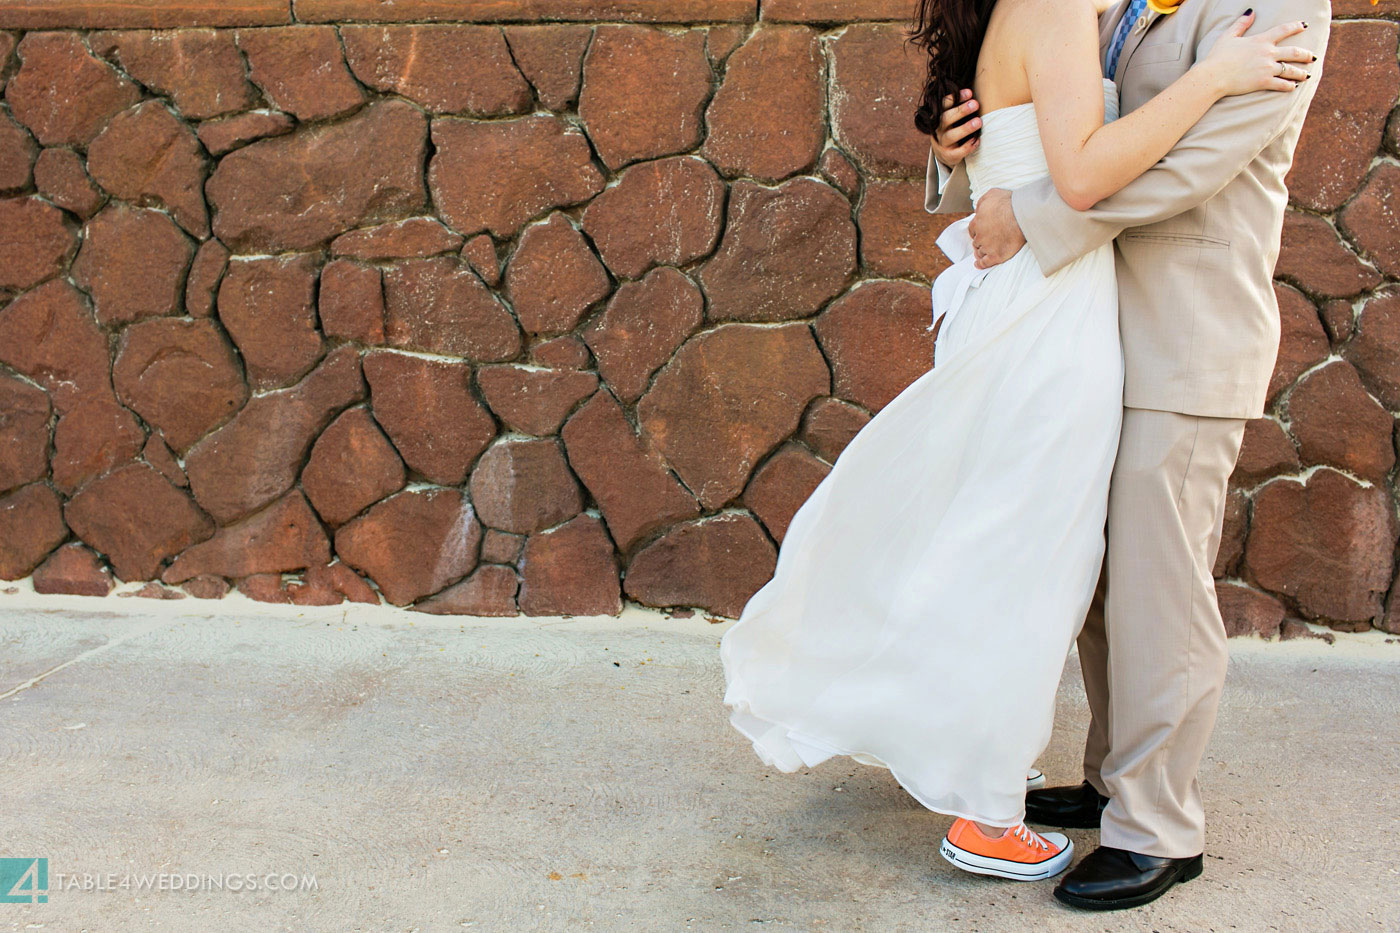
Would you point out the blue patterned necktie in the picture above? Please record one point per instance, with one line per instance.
(1120, 35)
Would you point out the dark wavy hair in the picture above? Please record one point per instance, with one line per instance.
(951, 32)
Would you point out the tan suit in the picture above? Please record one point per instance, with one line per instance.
(1196, 239)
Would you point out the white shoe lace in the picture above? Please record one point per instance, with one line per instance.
(1032, 839)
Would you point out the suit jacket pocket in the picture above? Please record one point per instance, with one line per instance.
(1180, 239)
(1152, 54)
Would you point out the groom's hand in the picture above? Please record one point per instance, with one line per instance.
(996, 236)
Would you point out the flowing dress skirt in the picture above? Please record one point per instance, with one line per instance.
(928, 591)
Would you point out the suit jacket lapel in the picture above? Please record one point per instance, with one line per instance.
(1135, 37)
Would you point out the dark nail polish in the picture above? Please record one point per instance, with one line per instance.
(1314, 58)
(1249, 11)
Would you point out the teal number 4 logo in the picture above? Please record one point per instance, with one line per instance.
(24, 881)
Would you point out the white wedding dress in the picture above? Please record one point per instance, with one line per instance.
(929, 590)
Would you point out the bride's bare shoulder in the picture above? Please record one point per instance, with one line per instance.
(1045, 19)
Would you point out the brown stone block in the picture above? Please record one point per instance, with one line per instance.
(1375, 350)
(206, 272)
(91, 439)
(524, 485)
(159, 455)
(148, 157)
(1337, 423)
(1314, 258)
(352, 466)
(413, 544)
(533, 401)
(1372, 220)
(31, 525)
(1302, 341)
(283, 537)
(1266, 452)
(570, 570)
(497, 175)
(180, 376)
(663, 212)
(641, 328)
(268, 307)
(1234, 529)
(73, 570)
(411, 238)
(24, 432)
(482, 11)
(61, 92)
(35, 242)
(439, 305)
(489, 591)
(480, 253)
(644, 91)
(60, 176)
(49, 335)
(133, 262)
(137, 14)
(714, 563)
(551, 58)
(137, 518)
(302, 70)
(786, 252)
(200, 70)
(781, 484)
(330, 585)
(351, 302)
(257, 456)
(1326, 543)
(635, 491)
(501, 547)
(767, 120)
(554, 278)
(898, 238)
(17, 154)
(1247, 611)
(829, 424)
(877, 82)
(224, 135)
(428, 410)
(446, 68)
(877, 340)
(838, 169)
(1359, 85)
(728, 397)
(301, 190)
(835, 11)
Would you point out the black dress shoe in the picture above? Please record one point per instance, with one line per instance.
(1075, 807)
(1110, 879)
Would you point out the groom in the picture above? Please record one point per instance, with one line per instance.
(1196, 238)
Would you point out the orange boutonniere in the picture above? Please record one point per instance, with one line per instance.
(1163, 6)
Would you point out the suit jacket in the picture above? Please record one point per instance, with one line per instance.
(1197, 235)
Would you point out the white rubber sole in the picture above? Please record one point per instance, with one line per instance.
(1015, 871)
(1035, 779)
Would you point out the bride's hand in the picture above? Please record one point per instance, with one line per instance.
(1239, 64)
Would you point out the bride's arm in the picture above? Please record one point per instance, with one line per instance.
(1090, 160)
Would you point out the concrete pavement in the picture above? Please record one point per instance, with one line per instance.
(435, 773)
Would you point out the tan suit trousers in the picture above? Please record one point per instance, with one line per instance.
(1153, 640)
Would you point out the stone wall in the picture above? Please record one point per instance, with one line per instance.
(569, 305)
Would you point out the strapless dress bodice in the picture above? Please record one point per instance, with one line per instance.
(1011, 154)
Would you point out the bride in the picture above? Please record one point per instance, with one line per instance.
(928, 591)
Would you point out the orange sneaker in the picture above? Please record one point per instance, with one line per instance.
(1020, 853)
